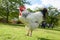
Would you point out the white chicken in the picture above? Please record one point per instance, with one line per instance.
(31, 20)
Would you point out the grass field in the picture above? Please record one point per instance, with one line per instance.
(17, 32)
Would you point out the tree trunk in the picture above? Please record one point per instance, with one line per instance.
(7, 12)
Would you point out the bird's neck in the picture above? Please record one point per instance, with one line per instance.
(20, 14)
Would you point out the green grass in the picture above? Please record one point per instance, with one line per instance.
(17, 32)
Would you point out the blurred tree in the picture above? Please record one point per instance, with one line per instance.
(52, 17)
(9, 7)
(30, 10)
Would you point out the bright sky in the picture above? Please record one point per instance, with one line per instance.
(43, 3)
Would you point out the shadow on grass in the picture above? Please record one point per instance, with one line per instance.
(55, 28)
(42, 39)
(22, 25)
(14, 25)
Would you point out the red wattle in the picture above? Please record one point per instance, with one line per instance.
(20, 13)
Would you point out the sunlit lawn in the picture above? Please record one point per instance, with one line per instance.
(17, 32)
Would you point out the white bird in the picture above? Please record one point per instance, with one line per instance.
(31, 20)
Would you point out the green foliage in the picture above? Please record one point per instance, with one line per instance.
(30, 10)
(8, 8)
(38, 9)
(52, 16)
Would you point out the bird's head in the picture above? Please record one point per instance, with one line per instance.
(22, 8)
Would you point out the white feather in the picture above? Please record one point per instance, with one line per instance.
(32, 20)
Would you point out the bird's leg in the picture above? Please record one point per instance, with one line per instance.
(30, 33)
